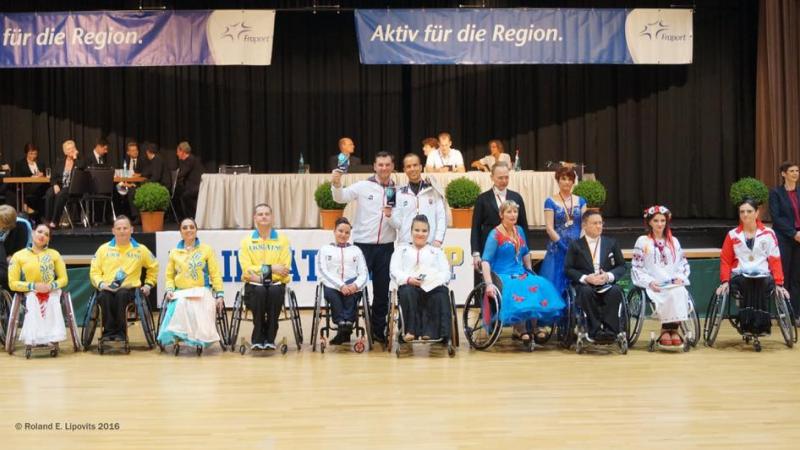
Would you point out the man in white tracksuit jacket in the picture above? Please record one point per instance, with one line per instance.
(418, 197)
(372, 231)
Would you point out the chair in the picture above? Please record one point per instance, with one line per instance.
(234, 169)
(79, 187)
(101, 189)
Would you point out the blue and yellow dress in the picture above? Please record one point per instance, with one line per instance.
(553, 264)
(191, 276)
(526, 296)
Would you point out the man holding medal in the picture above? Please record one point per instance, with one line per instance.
(594, 264)
(372, 230)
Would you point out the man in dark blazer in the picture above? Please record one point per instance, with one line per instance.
(486, 214)
(190, 173)
(594, 264)
(346, 147)
(784, 207)
(155, 170)
(98, 157)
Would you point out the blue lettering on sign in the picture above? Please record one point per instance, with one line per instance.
(295, 272)
(311, 255)
(227, 255)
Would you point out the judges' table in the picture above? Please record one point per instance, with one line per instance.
(227, 201)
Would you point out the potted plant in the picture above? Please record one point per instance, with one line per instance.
(593, 192)
(461, 195)
(329, 210)
(151, 199)
(749, 187)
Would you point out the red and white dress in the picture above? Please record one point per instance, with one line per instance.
(764, 258)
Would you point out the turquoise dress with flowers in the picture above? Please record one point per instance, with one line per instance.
(525, 295)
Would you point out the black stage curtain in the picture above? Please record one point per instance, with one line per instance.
(676, 135)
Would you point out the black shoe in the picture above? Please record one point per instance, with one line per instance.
(379, 338)
(338, 339)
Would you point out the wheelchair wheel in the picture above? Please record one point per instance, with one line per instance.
(454, 337)
(785, 322)
(391, 325)
(13, 323)
(222, 328)
(316, 318)
(714, 316)
(5, 307)
(691, 326)
(367, 316)
(637, 309)
(481, 319)
(565, 327)
(294, 315)
(146, 319)
(237, 314)
(90, 322)
(69, 318)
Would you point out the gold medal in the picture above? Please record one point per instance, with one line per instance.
(568, 223)
(751, 258)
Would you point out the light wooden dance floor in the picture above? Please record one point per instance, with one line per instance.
(727, 397)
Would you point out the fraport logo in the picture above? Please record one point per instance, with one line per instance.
(660, 31)
(240, 31)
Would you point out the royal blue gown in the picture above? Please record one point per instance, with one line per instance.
(553, 264)
(526, 296)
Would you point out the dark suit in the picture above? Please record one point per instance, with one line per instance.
(486, 216)
(155, 170)
(190, 173)
(782, 212)
(33, 192)
(333, 161)
(601, 308)
(136, 166)
(93, 161)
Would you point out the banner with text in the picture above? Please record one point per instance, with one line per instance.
(525, 36)
(137, 38)
(305, 246)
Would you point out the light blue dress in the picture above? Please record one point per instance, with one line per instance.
(553, 264)
(526, 296)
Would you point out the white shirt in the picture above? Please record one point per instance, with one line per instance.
(500, 196)
(408, 261)
(370, 225)
(428, 202)
(436, 160)
(339, 265)
(33, 167)
(594, 249)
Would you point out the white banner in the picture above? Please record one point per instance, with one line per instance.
(305, 246)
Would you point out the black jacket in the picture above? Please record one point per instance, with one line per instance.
(780, 208)
(92, 161)
(333, 161)
(155, 170)
(486, 216)
(21, 168)
(57, 174)
(190, 173)
(578, 261)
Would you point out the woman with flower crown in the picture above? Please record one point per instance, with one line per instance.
(660, 268)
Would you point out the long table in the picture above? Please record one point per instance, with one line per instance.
(227, 201)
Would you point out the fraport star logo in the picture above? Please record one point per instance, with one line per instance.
(235, 31)
(654, 29)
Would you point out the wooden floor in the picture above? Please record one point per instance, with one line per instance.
(726, 397)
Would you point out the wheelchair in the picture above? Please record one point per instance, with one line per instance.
(574, 329)
(395, 327)
(5, 306)
(320, 332)
(138, 310)
(290, 313)
(482, 326)
(719, 309)
(640, 306)
(16, 316)
(221, 323)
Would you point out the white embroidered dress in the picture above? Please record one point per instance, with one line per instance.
(654, 260)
